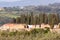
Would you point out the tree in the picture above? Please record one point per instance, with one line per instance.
(31, 17)
(13, 20)
(18, 20)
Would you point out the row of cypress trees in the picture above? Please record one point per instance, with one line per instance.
(51, 19)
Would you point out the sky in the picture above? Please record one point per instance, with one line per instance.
(10, 0)
(35, 1)
(32, 2)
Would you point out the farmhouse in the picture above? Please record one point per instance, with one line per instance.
(45, 25)
(56, 26)
(1, 9)
(11, 26)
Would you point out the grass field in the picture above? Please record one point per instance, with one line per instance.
(37, 34)
(8, 15)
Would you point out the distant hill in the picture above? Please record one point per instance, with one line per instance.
(55, 7)
(51, 8)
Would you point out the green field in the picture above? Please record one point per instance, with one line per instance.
(10, 15)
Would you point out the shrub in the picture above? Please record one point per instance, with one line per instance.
(12, 33)
(46, 30)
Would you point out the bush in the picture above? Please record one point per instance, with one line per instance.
(4, 34)
(46, 30)
(12, 33)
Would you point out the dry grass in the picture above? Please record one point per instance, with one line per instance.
(36, 34)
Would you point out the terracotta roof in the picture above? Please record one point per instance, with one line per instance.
(9, 25)
(13, 25)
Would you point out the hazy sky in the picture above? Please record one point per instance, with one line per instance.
(30, 2)
(9, 0)
(35, 1)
